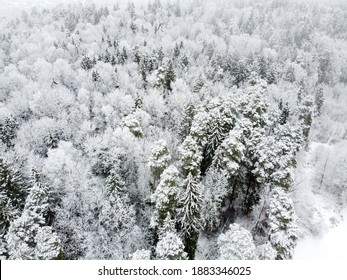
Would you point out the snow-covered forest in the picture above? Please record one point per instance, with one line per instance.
(172, 129)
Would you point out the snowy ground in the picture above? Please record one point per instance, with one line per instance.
(318, 196)
(332, 245)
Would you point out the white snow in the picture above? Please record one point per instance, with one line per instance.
(14, 7)
(331, 246)
(319, 186)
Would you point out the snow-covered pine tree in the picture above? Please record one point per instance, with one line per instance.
(216, 135)
(95, 76)
(186, 121)
(29, 237)
(190, 214)
(190, 157)
(133, 125)
(305, 114)
(284, 112)
(198, 84)
(8, 131)
(159, 160)
(176, 52)
(86, 63)
(214, 190)
(233, 151)
(165, 195)
(236, 244)
(221, 119)
(266, 252)
(48, 245)
(253, 104)
(170, 245)
(170, 76)
(283, 231)
(165, 76)
(123, 56)
(13, 192)
(319, 99)
(114, 182)
(275, 162)
(115, 233)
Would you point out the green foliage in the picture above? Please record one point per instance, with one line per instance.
(87, 63)
(165, 196)
(305, 114)
(284, 113)
(190, 214)
(29, 237)
(8, 131)
(159, 160)
(282, 224)
(114, 182)
(165, 76)
(13, 192)
(319, 99)
(190, 157)
(186, 121)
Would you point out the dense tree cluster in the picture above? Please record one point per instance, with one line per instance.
(130, 132)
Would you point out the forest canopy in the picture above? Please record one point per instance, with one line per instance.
(169, 130)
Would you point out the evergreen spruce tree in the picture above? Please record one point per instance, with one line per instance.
(160, 79)
(199, 84)
(168, 225)
(190, 157)
(138, 103)
(305, 113)
(133, 125)
(301, 92)
(29, 237)
(233, 151)
(113, 60)
(220, 122)
(170, 245)
(13, 192)
(284, 112)
(214, 190)
(96, 76)
(184, 61)
(186, 121)
(165, 195)
(319, 99)
(143, 73)
(8, 131)
(176, 52)
(86, 63)
(160, 55)
(190, 214)
(107, 57)
(123, 56)
(236, 244)
(114, 182)
(170, 76)
(283, 230)
(266, 252)
(159, 160)
(137, 57)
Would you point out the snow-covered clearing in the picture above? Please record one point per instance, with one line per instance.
(332, 245)
(318, 188)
